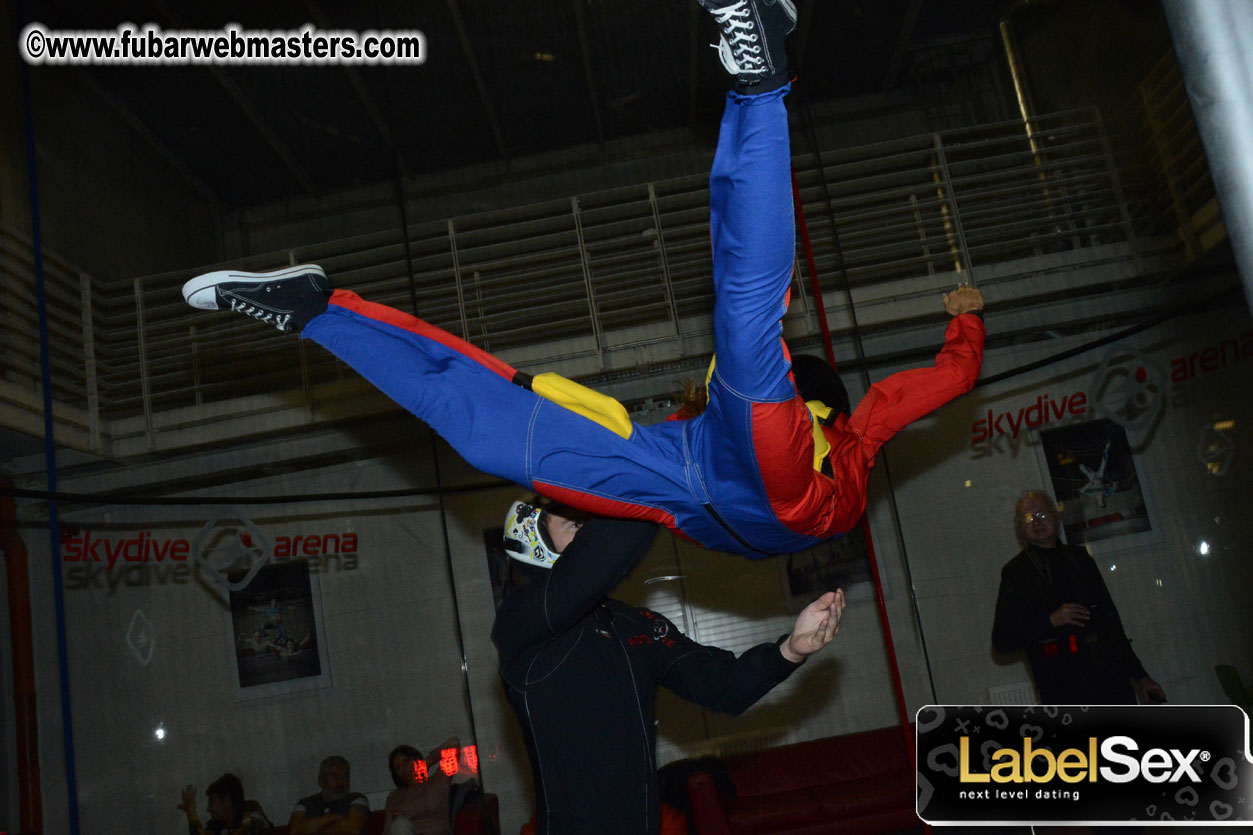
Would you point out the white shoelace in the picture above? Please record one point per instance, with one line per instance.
(738, 47)
(260, 313)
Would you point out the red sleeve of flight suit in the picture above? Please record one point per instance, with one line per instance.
(899, 400)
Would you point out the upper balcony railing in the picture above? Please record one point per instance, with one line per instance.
(597, 282)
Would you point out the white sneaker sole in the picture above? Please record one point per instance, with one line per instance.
(199, 291)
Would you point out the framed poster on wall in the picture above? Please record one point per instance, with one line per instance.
(278, 645)
(1094, 479)
(837, 563)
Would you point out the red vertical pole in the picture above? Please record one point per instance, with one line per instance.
(25, 717)
(814, 287)
(902, 710)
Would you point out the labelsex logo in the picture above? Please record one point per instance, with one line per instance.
(1040, 765)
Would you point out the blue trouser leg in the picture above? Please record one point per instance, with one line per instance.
(499, 427)
(753, 242)
(484, 416)
(754, 245)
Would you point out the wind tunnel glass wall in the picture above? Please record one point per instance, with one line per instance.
(1139, 440)
(306, 570)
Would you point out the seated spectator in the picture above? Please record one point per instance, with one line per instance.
(420, 803)
(229, 813)
(336, 809)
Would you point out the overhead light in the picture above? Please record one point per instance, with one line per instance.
(1203, 548)
(159, 733)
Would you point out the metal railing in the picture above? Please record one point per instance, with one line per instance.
(71, 343)
(1176, 159)
(603, 272)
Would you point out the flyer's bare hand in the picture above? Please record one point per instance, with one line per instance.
(965, 299)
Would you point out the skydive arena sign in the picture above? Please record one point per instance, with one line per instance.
(1167, 764)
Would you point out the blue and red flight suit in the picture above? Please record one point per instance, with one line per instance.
(741, 477)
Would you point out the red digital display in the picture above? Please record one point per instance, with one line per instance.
(448, 761)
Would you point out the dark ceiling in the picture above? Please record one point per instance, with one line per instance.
(503, 80)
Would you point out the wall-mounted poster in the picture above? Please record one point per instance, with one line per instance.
(278, 644)
(1094, 479)
(834, 564)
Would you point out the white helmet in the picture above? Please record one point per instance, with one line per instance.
(526, 536)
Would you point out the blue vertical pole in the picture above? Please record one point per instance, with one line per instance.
(54, 528)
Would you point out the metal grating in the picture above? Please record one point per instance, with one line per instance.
(605, 272)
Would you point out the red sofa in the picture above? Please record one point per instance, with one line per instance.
(479, 815)
(856, 783)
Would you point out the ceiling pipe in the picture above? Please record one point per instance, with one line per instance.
(585, 53)
(472, 64)
(902, 44)
(1214, 43)
(1022, 90)
(1017, 72)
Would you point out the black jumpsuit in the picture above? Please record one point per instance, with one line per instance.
(1089, 666)
(582, 670)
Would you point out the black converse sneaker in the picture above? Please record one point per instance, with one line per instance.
(286, 298)
(751, 46)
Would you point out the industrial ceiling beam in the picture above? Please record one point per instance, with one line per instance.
(144, 132)
(250, 111)
(363, 93)
(902, 43)
(466, 48)
(587, 71)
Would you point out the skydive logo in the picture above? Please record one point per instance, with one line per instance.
(141, 548)
(1129, 387)
(145, 559)
(1000, 432)
(1044, 410)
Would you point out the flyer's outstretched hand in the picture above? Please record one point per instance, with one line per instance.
(815, 626)
(965, 299)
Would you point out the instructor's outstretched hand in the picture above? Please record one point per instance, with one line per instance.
(815, 626)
